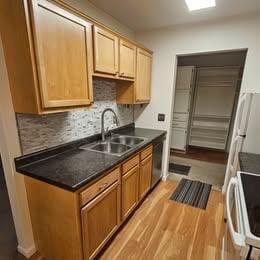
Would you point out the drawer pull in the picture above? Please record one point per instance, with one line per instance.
(93, 190)
(146, 152)
(103, 186)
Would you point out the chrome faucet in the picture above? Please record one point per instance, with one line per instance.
(102, 121)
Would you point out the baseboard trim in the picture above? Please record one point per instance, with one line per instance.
(27, 252)
(164, 178)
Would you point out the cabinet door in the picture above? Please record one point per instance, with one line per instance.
(127, 59)
(180, 117)
(145, 176)
(105, 51)
(178, 138)
(181, 101)
(184, 78)
(100, 219)
(130, 191)
(143, 76)
(63, 44)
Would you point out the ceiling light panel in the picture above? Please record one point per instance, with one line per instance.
(200, 4)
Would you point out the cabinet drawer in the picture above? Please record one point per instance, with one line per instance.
(130, 164)
(180, 117)
(99, 186)
(146, 152)
(178, 138)
(179, 124)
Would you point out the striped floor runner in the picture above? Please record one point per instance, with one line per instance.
(193, 193)
(179, 169)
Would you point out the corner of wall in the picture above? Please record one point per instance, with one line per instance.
(10, 148)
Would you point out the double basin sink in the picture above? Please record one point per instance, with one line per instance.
(117, 145)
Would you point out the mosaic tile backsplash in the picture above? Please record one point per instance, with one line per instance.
(41, 132)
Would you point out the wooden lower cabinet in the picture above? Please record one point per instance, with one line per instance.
(76, 225)
(100, 219)
(55, 220)
(145, 176)
(130, 183)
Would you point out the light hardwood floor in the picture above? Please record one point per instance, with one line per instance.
(164, 229)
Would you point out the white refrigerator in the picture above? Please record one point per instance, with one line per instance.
(246, 133)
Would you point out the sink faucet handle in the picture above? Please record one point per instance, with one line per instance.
(109, 133)
(115, 120)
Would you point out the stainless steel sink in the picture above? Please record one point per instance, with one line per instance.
(108, 147)
(118, 145)
(128, 140)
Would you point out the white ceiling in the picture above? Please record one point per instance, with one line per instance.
(149, 14)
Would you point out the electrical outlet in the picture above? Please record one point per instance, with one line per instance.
(161, 117)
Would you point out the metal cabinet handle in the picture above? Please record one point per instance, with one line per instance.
(103, 186)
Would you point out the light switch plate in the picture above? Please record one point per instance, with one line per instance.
(161, 117)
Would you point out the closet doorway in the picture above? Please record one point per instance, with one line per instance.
(205, 102)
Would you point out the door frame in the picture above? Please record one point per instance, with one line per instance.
(167, 147)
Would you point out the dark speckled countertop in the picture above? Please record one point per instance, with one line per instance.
(249, 162)
(70, 167)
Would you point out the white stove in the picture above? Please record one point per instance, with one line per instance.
(243, 218)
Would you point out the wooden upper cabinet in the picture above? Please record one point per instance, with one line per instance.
(127, 59)
(138, 92)
(49, 52)
(105, 51)
(63, 44)
(53, 64)
(143, 76)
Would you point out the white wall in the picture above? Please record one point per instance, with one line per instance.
(252, 141)
(9, 149)
(236, 33)
(101, 16)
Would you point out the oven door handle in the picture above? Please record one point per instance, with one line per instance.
(238, 238)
